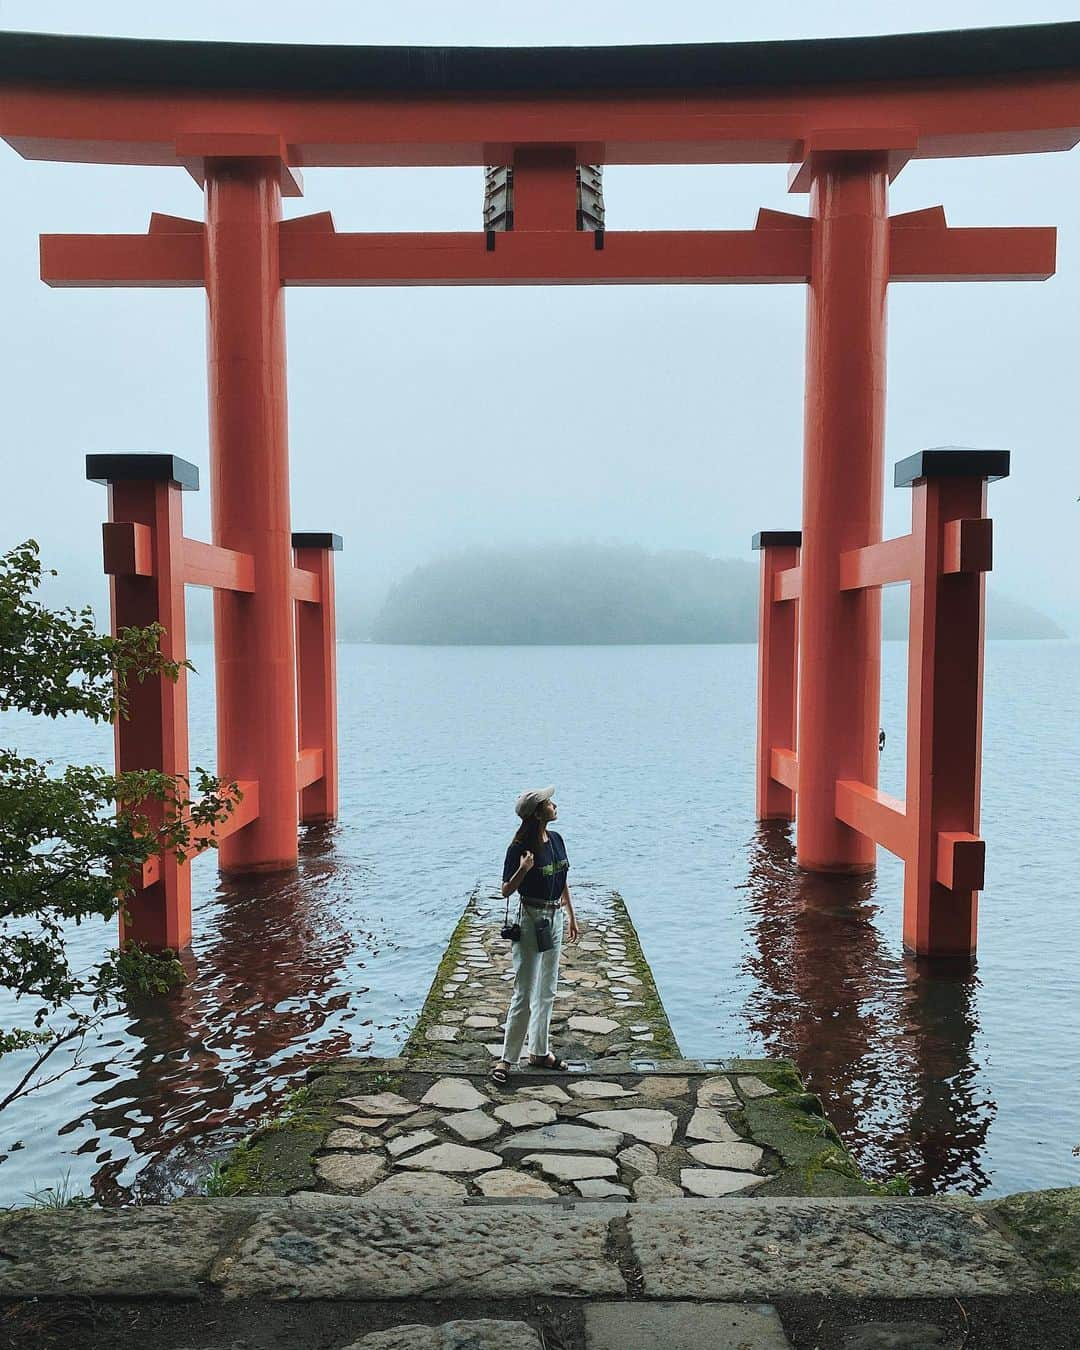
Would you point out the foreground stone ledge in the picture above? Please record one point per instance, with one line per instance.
(161, 1250)
(858, 1248)
(324, 1247)
(1046, 1226)
(362, 1252)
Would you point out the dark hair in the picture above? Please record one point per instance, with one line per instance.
(529, 832)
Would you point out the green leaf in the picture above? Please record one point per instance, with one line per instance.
(74, 839)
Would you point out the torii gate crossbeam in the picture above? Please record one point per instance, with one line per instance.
(778, 250)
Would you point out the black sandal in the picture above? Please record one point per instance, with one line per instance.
(550, 1061)
(500, 1076)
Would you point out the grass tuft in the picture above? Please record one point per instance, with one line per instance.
(60, 1196)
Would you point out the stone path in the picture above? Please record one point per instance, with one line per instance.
(607, 1005)
(641, 1137)
(390, 1132)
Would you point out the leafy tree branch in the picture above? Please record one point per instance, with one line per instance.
(74, 839)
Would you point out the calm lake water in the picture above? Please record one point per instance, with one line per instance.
(965, 1082)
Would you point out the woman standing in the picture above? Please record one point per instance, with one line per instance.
(536, 866)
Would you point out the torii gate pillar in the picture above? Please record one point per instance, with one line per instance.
(843, 488)
(249, 469)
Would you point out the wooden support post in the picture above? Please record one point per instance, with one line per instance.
(843, 470)
(945, 674)
(249, 465)
(316, 677)
(144, 556)
(777, 662)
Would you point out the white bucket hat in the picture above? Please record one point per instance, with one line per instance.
(527, 804)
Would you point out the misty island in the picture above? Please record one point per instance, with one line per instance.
(609, 594)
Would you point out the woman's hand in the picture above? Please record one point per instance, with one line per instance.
(575, 931)
(526, 863)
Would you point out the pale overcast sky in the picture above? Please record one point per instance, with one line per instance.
(670, 417)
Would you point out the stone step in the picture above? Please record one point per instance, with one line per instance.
(607, 1326)
(317, 1246)
(683, 1326)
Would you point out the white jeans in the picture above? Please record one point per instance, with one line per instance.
(536, 975)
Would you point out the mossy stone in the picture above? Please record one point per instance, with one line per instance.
(1047, 1227)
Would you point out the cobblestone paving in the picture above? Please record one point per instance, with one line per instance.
(644, 1136)
(607, 1006)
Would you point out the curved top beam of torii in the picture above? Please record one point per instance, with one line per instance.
(122, 100)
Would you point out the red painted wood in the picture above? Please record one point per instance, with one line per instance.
(222, 568)
(847, 141)
(196, 150)
(960, 864)
(979, 254)
(545, 187)
(968, 546)
(945, 676)
(879, 564)
(127, 549)
(305, 586)
(975, 116)
(316, 654)
(840, 632)
(875, 815)
(249, 470)
(777, 656)
(309, 767)
(787, 584)
(785, 768)
(837, 144)
(317, 256)
(244, 812)
(87, 260)
(154, 735)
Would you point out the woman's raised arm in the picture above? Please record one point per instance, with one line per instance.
(524, 867)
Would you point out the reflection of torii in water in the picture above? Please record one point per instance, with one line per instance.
(887, 1046)
(212, 1056)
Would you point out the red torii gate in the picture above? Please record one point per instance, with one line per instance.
(242, 118)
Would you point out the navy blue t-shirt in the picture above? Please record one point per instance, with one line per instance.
(546, 880)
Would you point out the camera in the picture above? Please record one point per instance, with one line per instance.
(511, 931)
(545, 939)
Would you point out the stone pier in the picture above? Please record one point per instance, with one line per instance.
(640, 1200)
(607, 1007)
(631, 1121)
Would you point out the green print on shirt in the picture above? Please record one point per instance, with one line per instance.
(549, 869)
